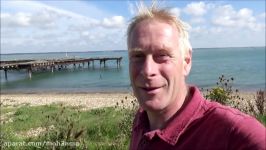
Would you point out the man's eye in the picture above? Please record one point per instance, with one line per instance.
(161, 57)
(136, 57)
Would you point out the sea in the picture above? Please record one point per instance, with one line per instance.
(245, 64)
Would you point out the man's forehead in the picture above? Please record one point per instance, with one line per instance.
(153, 27)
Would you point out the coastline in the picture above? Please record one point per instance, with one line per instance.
(83, 100)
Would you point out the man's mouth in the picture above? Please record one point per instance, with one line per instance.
(151, 90)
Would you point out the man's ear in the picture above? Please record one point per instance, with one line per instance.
(187, 62)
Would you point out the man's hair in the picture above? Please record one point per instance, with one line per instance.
(161, 14)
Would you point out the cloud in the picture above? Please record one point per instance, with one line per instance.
(35, 26)
(26, 30)
(227, 16)
(262, 16)
(16, 20)
(114, 22)
(196, 8)
(225, 26)
(176, 11)
(198, 20)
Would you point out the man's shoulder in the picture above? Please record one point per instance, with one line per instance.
(237, 121)
(224, 113)
(239, 127)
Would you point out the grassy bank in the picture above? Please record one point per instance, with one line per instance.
(103, 128)
(60, 127)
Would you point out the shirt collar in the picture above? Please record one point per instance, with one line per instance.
(178, 123)
(186, 114)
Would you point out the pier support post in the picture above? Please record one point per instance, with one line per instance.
(52, 68)
(30, 72)
(5, 73)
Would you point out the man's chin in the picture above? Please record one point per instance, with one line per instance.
(151, 104)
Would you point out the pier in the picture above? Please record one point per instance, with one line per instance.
(53, 64)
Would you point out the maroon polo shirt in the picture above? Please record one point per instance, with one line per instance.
(200, 125)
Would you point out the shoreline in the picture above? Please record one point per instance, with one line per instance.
(82, 100)
(92, 91)
(62, 92)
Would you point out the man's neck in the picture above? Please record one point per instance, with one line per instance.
(159, 119)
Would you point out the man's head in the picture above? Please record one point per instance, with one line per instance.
(159, 58)
(164, 15)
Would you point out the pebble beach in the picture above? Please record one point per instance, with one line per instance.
(83, 100)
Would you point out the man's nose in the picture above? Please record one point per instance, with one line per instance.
(149, 67)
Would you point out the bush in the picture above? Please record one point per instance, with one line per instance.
(223, 92)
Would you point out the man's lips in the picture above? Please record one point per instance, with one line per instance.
(149, 88)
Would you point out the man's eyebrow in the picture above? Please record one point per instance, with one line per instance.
(135, 50)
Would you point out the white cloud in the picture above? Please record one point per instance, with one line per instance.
(227, 16)
(16, 20)
(227, 27)
(198, 20)
(114, 22)
(262, 16)
(196, 8)
(176, 11)
(23, 29)
(30, 26)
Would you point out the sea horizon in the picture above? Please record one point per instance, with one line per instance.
(201, 48)
(245, 64)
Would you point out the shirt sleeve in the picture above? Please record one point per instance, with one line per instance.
(247, 134)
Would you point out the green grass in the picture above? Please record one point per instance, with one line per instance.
(6, 110)
(102, 126)
(105, 128)
(27, 117)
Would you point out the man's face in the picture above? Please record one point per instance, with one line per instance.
(157, 69)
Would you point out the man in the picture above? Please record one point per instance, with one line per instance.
(173, 115)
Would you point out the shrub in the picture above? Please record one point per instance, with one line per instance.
(223, 92)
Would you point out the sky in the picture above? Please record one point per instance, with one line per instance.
(30, 26)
